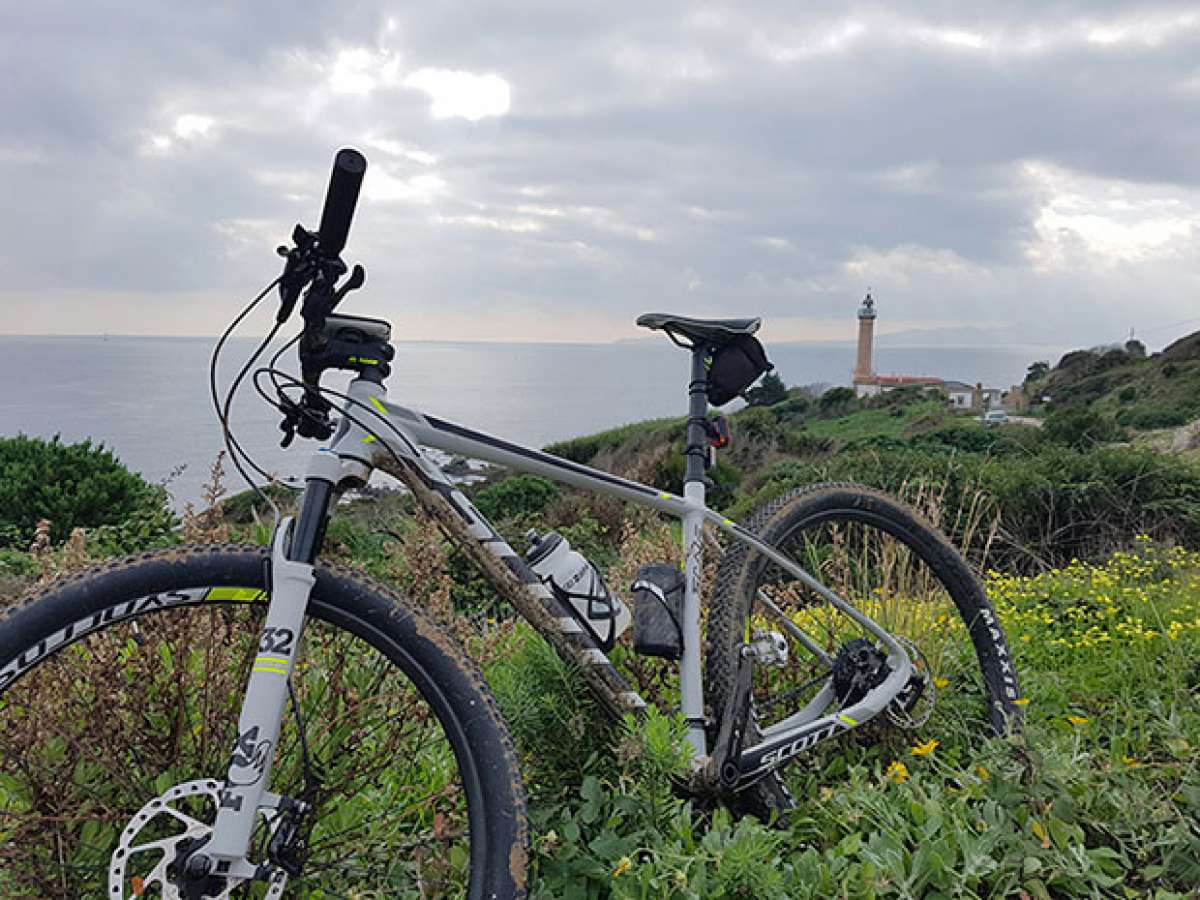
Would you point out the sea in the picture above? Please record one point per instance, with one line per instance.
(147, 398)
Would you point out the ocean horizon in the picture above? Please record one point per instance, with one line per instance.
(147, 399)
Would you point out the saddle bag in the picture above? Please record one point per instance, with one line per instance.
(736, 366)
(658, 610)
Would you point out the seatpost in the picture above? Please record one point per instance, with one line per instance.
(697, 428)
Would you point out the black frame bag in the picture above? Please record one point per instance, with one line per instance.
(657, 610)
(735, 366)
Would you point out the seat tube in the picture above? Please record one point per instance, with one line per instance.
(690, 675)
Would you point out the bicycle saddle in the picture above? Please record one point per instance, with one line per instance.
(699, 331)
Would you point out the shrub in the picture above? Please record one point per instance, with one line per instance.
(668, 474)
(1037, 371)
(837, 401)
(755, 424)
(76, 486)
(803, 443)
(901, 397)
(519, 495)
(792, 410)
(246, 507)
(1057, 504)
(1152, 417)
(768, 392)
(1079, 362)
(1113, 358)
(1080, 428)
(17, 569)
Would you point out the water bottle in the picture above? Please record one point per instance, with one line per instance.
(577, 584)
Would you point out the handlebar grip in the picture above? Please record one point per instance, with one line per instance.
(349, 166)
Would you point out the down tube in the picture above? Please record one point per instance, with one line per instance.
(513, 579)
(447, 436)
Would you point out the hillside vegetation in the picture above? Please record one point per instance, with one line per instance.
(1091, 554)
(1017, 498)
(1124, 385)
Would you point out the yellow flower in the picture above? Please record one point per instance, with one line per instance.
(624, 864)
(1077, 720)
(898, 772)
(924, 749)
(1021, 701)
(982, 772)
(940, 683)
(1131, 762)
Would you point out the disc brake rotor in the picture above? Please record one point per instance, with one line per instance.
(139, 868)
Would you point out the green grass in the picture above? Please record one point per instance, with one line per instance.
(894, 422)
(584, 449)
(1099, 798)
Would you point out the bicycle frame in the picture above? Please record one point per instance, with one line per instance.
(404, 458)
(378, 434)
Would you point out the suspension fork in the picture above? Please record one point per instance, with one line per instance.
(294, 549)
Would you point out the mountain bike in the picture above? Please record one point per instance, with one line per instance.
(219, 721)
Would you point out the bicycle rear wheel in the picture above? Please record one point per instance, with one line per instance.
(891, 564)
(121, 690)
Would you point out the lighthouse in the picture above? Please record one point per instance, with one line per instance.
(866, 382)
(864, 369)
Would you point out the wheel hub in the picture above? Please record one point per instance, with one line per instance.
(158, 850)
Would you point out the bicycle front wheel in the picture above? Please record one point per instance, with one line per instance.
(121, 691)
(892, 565)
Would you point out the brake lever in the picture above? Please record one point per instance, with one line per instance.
(358, 277)
(298, 271)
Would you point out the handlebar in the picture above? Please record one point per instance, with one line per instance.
(349, 166)
(314, 262)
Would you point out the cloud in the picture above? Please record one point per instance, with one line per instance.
(463, 95)
(1094, 223)
(359, 70)
(1018, 163)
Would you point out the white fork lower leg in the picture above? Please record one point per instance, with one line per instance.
(263, 707)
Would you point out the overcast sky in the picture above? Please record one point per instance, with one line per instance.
(546, 170)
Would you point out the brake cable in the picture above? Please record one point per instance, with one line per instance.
(238, 455)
